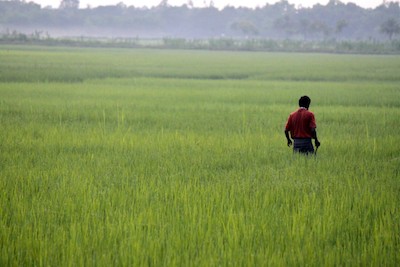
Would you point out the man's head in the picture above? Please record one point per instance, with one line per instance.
(304, 102)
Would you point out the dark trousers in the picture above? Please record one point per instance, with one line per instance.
(303, 145)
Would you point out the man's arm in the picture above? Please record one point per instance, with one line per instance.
(314, 136)
(289, 141)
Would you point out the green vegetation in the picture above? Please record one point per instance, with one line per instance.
(279, 21)
(178, 158)
(213, 44)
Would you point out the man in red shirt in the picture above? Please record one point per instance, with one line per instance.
(302, 127)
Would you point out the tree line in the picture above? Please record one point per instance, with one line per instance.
(280, 21)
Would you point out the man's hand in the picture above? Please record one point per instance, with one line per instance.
(289, 142)
(317, 143)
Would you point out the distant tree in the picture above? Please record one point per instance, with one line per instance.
(283, 7)
(390, 27)
(212, 3)
(340, 25)
(319, 27)
(304, 27)
(121, 5)
(69, 4)
(282, 22)
(245, 27)
(385, 3)
(163, 3)
(190, 4)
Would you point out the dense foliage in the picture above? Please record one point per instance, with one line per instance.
(281, 20)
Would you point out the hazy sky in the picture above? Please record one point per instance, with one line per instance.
(200, 3)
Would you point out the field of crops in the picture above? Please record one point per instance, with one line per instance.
(177, 158)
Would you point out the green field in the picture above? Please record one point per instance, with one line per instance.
(178, 158)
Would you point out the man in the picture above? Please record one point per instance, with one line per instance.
(302, 127)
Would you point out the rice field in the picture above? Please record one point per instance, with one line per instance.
(119, 157)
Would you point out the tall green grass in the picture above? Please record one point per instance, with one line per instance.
(173, 167)
(35, 64)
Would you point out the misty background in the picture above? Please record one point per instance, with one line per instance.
(280, 21)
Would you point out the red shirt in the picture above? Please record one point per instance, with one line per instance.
(300, 123)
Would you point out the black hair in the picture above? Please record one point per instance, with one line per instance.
(304, 101)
